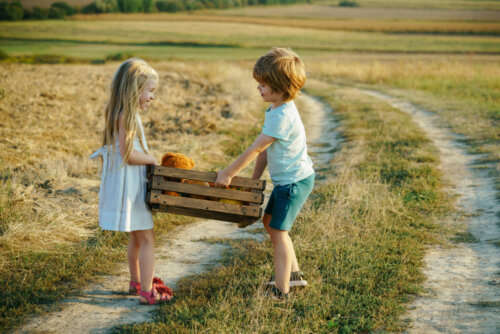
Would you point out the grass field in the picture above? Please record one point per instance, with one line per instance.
(464, 91)
(479, 26)
(425, 4)
(49, 185)
(395, 10)
(381, 202)
(360, 240)
(208, 40)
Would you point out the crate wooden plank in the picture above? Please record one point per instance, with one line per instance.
(193, 203)
(157, 182)
(204, 214)
(206, 177)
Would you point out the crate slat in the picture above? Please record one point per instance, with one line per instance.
(210, 208)
(193, 203)
(203, 214)
(158, 183)
(206, 177)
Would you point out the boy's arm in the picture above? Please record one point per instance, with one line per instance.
(260, 144)
(260, 165)
(135, 157)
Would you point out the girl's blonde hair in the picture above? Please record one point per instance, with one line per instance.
(127, 85)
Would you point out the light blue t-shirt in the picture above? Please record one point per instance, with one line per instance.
(287, 157)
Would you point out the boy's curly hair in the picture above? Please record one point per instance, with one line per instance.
(282, 70)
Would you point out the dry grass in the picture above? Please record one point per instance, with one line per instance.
(211, 40)
(52, 119)
(464, 91)
(386, 10)
(369, 24)
(51, 122)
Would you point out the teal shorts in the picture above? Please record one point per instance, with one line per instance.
(286, 201)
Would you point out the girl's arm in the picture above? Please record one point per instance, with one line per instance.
(260, 165)
(135, 157)
(260, 144)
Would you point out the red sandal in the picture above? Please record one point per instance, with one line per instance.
(134, 288)
(165, 292)
(150, 297)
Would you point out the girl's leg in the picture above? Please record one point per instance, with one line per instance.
(282, 258)
(266, 220)
(146, 257)
(133, 257)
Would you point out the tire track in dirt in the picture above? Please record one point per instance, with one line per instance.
(462, 292)
(104, 304)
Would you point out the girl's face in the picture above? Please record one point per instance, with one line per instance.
(148, 94)
(268, 95)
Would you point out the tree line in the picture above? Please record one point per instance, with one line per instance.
(13, 11)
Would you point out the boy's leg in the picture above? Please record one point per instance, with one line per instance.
(133, 257)
(266, 220)
(282, 258)
(295, 264)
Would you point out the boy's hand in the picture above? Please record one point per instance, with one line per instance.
(223, 179)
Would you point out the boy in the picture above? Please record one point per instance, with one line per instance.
(282, 147)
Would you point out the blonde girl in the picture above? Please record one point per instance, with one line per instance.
(122, 196)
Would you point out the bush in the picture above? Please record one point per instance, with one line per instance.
(40, 13)
(67, 9)
(106, 6)
(56, 13)
(195, 5)
(3, 55)
(130, 6)
(11, 11)
(148, 6)
(90, 9)
(170, 6)
(347, 3)
(120, 56)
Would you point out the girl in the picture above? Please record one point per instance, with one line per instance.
(122, 197)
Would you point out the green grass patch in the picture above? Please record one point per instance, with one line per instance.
(33, 280)
(359, 241)
(466, 237)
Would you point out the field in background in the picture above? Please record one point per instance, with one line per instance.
(209, 40)
(404, 11)
(423, 4)
(427, 4)
(465, 90)
(311, 29)
(445, 59)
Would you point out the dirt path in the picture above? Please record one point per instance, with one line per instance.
(462, 291)
(103, 305)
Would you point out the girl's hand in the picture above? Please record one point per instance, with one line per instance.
(223, 179)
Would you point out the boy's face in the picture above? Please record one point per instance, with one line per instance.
(148, 94)
(268, 95)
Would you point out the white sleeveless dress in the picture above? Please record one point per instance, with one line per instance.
(122, 197)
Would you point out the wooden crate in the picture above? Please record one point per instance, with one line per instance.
(249, 191)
